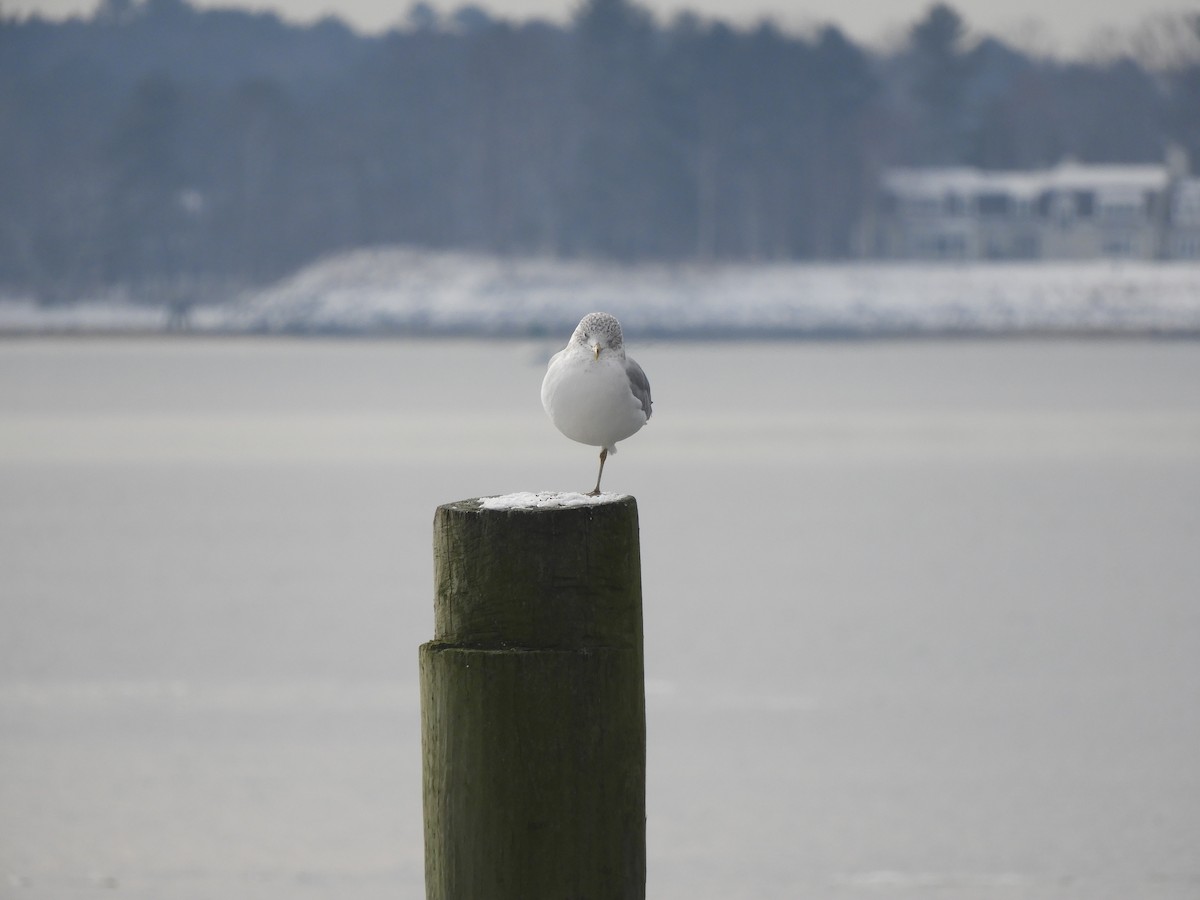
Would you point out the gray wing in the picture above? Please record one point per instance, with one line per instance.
(639, 384)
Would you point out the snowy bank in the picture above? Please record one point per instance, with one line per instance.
(397, 290)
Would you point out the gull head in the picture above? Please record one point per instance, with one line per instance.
(599, 332)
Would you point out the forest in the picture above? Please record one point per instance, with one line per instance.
(172, 151)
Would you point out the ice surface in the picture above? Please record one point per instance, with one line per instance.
(920, 617)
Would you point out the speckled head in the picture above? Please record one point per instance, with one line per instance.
(599, 327)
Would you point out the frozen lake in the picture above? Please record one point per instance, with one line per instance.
(922, 618)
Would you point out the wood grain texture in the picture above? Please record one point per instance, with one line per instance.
(538, 578)
(533, 706)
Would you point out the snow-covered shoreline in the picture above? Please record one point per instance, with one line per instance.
(398, 290)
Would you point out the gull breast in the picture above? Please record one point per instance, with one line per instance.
(591, 401)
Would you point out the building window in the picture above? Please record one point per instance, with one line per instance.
(1118, 246)
(922, 206)
(993, 204)
(1186, 247)
(1027, 246)
(1123, 212)
(951, 246)
(1185, 208)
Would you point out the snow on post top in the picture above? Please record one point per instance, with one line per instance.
(546, 500)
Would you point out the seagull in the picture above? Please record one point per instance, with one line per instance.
(593, 392)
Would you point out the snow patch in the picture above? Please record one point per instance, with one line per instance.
(547, 500)
(402, 290)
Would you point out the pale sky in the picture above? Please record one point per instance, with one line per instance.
(1067, 27)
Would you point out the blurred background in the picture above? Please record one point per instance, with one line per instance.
(918, 297)
(172, 154)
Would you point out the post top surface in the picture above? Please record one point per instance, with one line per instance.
(541, 500)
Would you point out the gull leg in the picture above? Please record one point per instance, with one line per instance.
(595, 492)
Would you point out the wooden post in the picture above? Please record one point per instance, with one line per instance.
(533, 716)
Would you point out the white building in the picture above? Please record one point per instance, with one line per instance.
(1072, 211)
(1183, 237)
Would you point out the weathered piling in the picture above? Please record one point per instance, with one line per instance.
(533, 723)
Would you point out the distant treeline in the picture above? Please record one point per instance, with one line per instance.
(176, 151)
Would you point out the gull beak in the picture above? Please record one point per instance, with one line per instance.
(596, 347)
